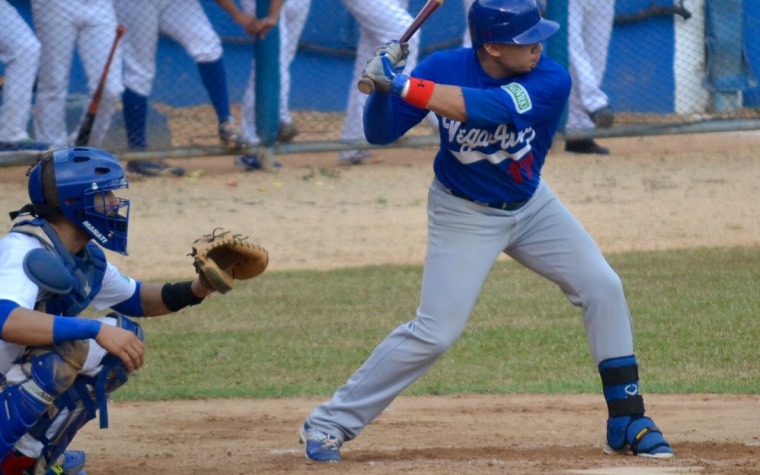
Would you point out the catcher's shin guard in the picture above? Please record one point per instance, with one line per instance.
(58, 426)
(79, 404)
(628, 430)
(49, 371)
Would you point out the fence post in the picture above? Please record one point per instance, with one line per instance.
(556, 10)
(267, 57)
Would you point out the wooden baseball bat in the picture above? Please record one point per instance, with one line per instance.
(83, 137)
(365, 84)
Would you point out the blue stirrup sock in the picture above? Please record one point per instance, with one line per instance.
(214, 80)
(135, 116)
(627, 425)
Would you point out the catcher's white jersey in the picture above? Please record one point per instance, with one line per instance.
(17, 287)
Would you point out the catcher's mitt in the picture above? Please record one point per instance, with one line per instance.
(221, 257)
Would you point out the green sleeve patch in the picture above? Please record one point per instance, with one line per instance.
(519, 96)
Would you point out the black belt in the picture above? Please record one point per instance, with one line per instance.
(505, 205)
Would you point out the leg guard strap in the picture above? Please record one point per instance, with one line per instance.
(56, 428)
(645, 438)
(113, 375)
(626, 407)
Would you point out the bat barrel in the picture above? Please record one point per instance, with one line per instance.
(366, 86)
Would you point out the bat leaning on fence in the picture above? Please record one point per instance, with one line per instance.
(85, 129)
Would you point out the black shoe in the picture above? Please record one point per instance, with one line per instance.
(603, 118)
(231, 136)
(153, 168)
(585, 146)
(287, 132)
(248, 163)
(353, 157)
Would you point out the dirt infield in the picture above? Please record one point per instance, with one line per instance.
(652, 193)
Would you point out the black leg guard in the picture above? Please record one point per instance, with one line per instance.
(629, 431)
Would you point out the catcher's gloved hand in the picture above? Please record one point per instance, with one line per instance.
(388, 61)
(221, 257)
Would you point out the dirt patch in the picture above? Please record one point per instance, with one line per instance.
(514, 434)
(652, 193)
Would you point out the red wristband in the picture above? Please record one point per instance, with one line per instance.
(419, 92)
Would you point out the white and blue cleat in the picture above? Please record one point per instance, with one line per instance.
(320, 446)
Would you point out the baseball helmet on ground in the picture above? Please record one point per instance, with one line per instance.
(81, 176)
(516, 22)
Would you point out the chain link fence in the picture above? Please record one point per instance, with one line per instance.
(184, 68)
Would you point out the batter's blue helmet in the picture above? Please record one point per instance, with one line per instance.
(516, 22)
(80, 174)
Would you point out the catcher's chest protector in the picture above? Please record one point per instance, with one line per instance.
(86, 270)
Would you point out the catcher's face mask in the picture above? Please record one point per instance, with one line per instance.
(85, 179)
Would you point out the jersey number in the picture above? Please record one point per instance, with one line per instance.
(516, 168)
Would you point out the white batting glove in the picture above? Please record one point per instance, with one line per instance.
(389, 61)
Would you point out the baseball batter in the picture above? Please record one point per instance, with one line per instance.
(499, 104)
(61, 26)
(56, 370)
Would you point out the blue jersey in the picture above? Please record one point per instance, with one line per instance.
(497, 155)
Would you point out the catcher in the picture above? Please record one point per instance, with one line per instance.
(56, 370)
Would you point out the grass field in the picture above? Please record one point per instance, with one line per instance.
(302, 333)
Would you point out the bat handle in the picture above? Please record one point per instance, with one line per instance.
(366, 86)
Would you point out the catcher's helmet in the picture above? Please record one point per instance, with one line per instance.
(80, 174)
(516, 22)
